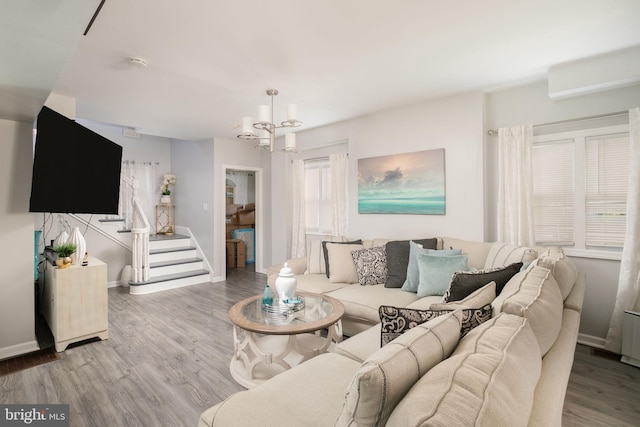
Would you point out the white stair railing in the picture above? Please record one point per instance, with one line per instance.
(126, 208)
(140, 229)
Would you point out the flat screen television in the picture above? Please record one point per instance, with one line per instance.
(75, 170)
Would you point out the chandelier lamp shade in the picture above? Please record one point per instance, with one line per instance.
(264, 130)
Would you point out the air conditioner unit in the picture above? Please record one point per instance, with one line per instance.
(596, 74)
(631, 338)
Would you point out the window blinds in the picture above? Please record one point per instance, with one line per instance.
(318, 196)
(607, 175)
(553, 192)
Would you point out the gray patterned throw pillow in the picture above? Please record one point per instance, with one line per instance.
(396, 321)
(371, 265)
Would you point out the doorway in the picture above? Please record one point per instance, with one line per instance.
(241, 206)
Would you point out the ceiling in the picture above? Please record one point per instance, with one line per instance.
(209, 62)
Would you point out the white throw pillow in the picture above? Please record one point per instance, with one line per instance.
(387, 375)
(503, 254)
(562, 268)
(342, 269)
(535, 295)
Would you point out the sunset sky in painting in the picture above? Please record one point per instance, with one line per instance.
(408, 173)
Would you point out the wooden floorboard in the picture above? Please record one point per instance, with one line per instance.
(167, 360)
(601, 392)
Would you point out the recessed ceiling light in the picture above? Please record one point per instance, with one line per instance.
(138, 62)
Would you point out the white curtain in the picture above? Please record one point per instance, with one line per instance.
(339, 164)
(515, 186)
(145, 172)
(298, 235)
(629, 280)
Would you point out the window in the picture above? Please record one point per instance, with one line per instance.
(607, 161)
(317, 179)
(553, 193)
(580, 186)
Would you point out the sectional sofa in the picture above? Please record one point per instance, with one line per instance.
(459, 367)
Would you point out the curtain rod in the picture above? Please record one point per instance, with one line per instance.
(492, 132)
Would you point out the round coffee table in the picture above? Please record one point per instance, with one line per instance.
(267, 343)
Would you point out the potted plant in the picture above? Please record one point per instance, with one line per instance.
(165, 190)
(64, 252)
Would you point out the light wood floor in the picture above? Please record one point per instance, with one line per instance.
(167, 359)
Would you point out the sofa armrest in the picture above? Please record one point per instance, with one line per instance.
(298, 265)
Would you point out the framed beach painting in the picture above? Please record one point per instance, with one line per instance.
(410, 183)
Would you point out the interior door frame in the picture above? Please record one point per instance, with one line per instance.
(259, 227)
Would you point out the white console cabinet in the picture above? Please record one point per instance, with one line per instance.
(75, 302)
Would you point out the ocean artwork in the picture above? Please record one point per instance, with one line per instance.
(410, 183)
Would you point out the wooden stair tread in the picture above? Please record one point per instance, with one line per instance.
(174, 262)
(167, 250)
(161, 237)
(173, 276)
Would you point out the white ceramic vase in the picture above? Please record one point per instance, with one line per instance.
(77, 239)
(125, 276)
(286, 283)
(165, 199)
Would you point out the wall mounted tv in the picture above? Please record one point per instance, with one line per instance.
(75, 170)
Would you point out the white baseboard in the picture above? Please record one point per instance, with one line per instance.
(19, 349)
(592, 341)
(630, 361)
(215, 279)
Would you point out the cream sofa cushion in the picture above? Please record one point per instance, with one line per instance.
(319, 385)
(475, 251)
(534, 294)
(362, 302)
(489, 380)
(556, 369)
(503, 254)
(425, 303)
(342, 269)
(562, 268)
(317, 283)
(362, 345)
(386, 376)
(372, 243)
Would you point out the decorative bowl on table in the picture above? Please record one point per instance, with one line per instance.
(286, 307)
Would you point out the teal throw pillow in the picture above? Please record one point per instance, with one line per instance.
(436, 271)
(413, 274)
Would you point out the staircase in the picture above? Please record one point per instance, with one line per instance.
(173, 263)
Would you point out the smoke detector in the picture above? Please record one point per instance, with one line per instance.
(138, 62)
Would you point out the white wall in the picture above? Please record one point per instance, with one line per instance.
(192, 163)
(455, 124)
(531, 104)
(17, 320)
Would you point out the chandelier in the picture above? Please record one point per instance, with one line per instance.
(266, 127)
